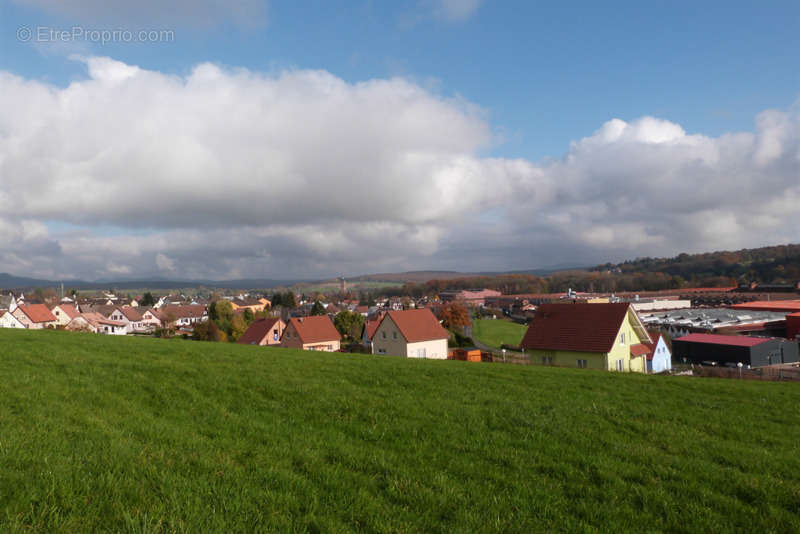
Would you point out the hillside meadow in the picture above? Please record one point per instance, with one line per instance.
(147, 435)
(496, 332)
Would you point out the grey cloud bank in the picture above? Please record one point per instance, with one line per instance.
(229, 173)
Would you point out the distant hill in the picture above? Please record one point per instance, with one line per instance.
(420, 277)
(773, 264)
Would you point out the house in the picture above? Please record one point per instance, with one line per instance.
(96, 323)
(7, 320)
(182, 315)
(593, 336)
(35, 316)
(370, 326)
(411, 333)
(470, 297)
(151, 319)
(64, 313)
(130, 317)
(659, 357)
(311, 333)
(240, 303)
(264, 332)
(715, 349)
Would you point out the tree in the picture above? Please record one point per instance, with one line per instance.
(317, 308)
(289, 300)
(248, 316)
(221, 310)
(148, 300)
(349, 324)
(207, 331)
(238, 327)
(454, 315)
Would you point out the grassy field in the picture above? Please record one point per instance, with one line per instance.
(147, 435)
(494, 332)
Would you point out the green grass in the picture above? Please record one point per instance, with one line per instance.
(146, 435)
(495, 332)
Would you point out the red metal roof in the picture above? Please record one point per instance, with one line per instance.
(770, 305)
(575, 327)
(418, 325)
(717, 339)
(257, 331)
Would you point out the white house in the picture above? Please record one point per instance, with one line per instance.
(34, 316)
(7, 320)
(411, 333)
(64, 313)
(96, 323)
(660, 359)
(132, 319)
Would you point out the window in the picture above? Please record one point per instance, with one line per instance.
(620, 365)
(394, 335)
(547, 360)
(622, 338)
(582, 364)
(383, 334)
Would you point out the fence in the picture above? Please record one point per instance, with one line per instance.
(773, 373)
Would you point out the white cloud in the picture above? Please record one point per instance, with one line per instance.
(231, 173)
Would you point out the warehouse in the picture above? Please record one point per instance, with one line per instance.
(713, 349)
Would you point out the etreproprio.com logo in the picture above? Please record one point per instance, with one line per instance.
(48, 34)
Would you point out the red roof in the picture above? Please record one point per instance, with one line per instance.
(640, 349)
(315, 329)
(652, 346)
(716, 339)
(575, 327)
(257, 331)
(418, 325)
(189, 311)
(68, 309)
(770, 305)
(130, 313)
(372, 326)
(38, 313)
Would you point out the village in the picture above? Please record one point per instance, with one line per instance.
(740, 328)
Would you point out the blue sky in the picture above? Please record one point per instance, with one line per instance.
(537, 77)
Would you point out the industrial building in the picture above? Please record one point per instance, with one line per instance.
(713, 349)
(717, 321)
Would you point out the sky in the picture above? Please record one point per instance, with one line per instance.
(275, 139)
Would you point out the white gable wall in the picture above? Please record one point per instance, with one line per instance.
(662, 358)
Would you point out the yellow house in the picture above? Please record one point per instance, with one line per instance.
(253, 305)
(594, 336)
